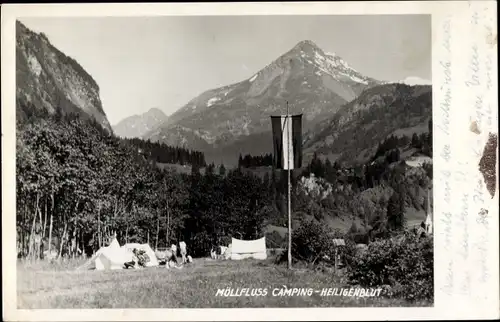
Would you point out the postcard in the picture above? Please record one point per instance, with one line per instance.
(250, 161)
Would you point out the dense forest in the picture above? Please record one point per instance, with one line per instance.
(401, 107)
(370, 174)
(78, 185)
(162, 153)
(249, 161)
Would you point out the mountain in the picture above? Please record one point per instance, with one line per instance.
(136, 126)
(313, 82)
(355, 131)
(47, 79)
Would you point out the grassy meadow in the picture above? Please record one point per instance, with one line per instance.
(59, 285)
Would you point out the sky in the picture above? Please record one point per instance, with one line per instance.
(163, 62)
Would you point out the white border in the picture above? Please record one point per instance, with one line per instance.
(482, 299)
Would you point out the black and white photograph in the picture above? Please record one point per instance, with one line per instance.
(155, 161)
(224, 161)
(255, 160)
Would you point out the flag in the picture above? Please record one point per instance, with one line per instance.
(287, 130)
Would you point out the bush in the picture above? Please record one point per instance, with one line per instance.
(275, 240)
(311, 242)
(402, 264)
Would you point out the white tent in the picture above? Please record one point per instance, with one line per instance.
(153, 261)
(241, 249)
(109, 257)
(227, 252)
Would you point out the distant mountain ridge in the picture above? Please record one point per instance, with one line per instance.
(313, 82)
(346, 114)
(136, 126)
(48, 79)
(354, 132)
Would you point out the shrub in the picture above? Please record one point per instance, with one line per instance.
(275, 240)
(427, 166)
(311, 242)
(402, 264)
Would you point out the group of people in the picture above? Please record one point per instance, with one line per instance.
(139, 259)
(218, 252)
(170, 255)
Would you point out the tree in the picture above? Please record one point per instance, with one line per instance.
(353, 229)
(210, 169)
(395, 212)
(79, 186)
(266, 181)
(222, 170)
(415, 141)
(240, 161)
(195, 168)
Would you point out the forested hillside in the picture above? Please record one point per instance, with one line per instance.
(77, 186)
(352, 135)
(162, 153)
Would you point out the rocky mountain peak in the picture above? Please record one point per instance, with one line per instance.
(46, 78)
(307, 46)
(314, 83)
(136, 126)
(155, 112)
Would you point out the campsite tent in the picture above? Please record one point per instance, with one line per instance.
(153, 261)
(241, 249)
(227, 252)
(109, 257)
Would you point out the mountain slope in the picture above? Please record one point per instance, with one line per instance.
(48, 79)
(136, 126)
(314, 83)
(355, 131)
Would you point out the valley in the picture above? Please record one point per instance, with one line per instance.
(205, 173)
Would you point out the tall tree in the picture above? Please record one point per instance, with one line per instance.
(395, 212)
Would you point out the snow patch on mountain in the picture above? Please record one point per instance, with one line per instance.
(212, 101)
(336, 67)
(305, 75)
(411, 81)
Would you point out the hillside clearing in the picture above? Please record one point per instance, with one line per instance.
(193, 286)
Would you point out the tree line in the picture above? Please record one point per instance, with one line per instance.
(375, 171)
(249, 161)
(78, 185)
(162, 153)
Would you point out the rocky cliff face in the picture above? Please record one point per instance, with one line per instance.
(48, 79)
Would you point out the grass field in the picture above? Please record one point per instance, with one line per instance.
(45, 285)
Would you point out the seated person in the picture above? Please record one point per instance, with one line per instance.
(139, 259)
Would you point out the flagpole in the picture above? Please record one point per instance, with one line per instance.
(289, 192)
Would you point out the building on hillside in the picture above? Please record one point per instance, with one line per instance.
(428, 220)
(338, 242)
(418, 161)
